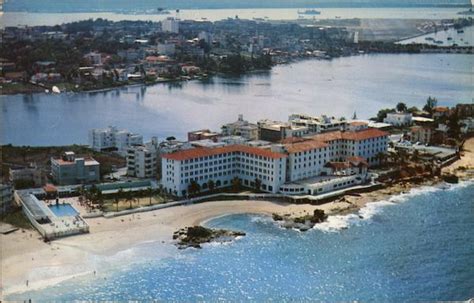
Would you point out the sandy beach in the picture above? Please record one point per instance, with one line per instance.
(24, 251)
(25, 257)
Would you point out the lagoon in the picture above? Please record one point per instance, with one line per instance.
(342, 86)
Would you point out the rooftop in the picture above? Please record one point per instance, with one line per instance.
(304, 146)
(204, 151)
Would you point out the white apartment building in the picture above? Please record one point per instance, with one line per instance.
(292, 160)
(398, 119)
(241, 128)
(170, 25)
(167, 49)
(142, 160)
(31, 173)
(317, 125)
(113, 139)
(70, 169)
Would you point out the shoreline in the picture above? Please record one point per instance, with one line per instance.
(26, 257)
(45, 265)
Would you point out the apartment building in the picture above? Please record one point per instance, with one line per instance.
(421, 134)
(170, 25)
(142, 160)
(31, 174)
(113, 139)
(241, 128)
(274, 131)
(69, 169)
(398, 119)
(202, 134)
(318, 125)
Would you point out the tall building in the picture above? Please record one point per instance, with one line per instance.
(142, 160)
(69, 169)
(170, 25)
(113, 139)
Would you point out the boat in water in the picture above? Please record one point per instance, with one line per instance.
(309, 12)
(55, 90)
(468, 12)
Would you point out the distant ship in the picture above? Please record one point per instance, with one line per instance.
(309, 12)
(162, 11)
(468, 12)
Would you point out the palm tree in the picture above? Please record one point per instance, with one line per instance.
(149, 193)
(258, 184)
(194, 187)
(116, 202)
(381, 156)
(129, 198)
(236, 184)
(211, 185)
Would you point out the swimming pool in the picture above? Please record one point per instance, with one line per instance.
(63, 210)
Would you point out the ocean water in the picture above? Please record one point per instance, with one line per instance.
(417, 246)
(39, 18)
(338, 87)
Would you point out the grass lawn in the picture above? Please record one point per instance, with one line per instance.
(110, 206)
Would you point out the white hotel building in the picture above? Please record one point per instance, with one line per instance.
(279, 166)
(113, 139)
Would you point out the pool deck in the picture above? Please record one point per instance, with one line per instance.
(48, 224)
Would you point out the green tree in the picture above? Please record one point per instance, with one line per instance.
(129, 198)
(430, 104)
(258, 184)
(194, 187)
(236, 184)
(401, 107)
(382, 114)
(211, 185)
(413, 109)
(149, 193)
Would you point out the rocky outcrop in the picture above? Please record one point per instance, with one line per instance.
(451, 178)
(301, 223)
(194, 236)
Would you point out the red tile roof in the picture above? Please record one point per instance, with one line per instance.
(351, 135)
(304, 146)
(205, 151)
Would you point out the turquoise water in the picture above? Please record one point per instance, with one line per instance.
(63, 210)
(417, 246)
